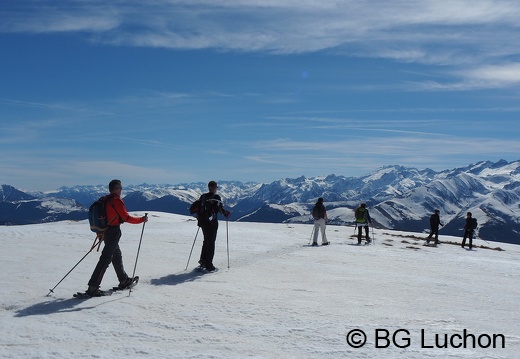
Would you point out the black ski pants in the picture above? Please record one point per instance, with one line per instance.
(111, 254)
(434, 231)
(209, 230)
(360, 229)
(468, 233)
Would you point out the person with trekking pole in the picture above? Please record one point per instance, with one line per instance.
(319, 213)
(116, 211)
(435, 222)
(362, 221)
(211, 206)
(469, 230)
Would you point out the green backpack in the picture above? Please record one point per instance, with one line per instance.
(360, 214)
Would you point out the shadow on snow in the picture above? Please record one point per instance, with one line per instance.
(178, 278)
(52, 306)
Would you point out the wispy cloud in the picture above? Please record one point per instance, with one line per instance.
(367, 153)
(477, 77)
(494, 75)
(405, 30)
(52, 16)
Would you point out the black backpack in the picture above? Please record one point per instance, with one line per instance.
(318, 211)
(202, 208)
(473, 223)
(196, 206)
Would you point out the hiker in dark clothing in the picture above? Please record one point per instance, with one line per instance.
(469, 229)
(435, 221)
(319, 213)
(209, 224)
(362, 221)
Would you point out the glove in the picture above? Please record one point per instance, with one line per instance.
(227, 214)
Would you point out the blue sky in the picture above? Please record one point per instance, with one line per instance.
(188, 91)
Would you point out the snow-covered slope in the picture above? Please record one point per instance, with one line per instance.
(279, 298)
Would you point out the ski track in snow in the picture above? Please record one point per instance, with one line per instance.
(280, 298)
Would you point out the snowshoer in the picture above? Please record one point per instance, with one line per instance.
(435, 222)
(319, 213)
(362, 221)
(111, 252)
(469, 229)
(208, 222)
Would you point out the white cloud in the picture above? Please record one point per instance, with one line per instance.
(413, 149)
(426, 31)
(496, 74)
(48, 18)
(478, 77)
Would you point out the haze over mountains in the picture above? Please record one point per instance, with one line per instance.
(398, 197)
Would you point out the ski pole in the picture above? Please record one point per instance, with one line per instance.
(193, 245)
(138, 250)
(312, 232)
(97, 243)
(483, 240)
(227, 242)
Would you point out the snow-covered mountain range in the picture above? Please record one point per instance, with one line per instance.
(398, 197)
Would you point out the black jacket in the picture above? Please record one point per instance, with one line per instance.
(211, 204)
(435, 220)
(471, 224)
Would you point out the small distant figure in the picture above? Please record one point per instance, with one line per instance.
(469, 229)
(435, 222)
(319, 213)
(362, 221)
